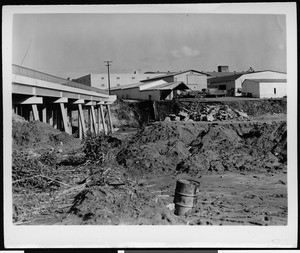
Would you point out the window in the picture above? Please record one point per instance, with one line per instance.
(274, 90)
(222, 87)
(102, 78)
(102, 85)
(133, 77)
(118, 77)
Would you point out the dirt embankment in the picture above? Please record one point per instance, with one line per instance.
(130, 179)
(253, 108)
(131, 114)
(199, 148)
(241, 169)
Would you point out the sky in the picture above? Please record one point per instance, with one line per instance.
(72, 45)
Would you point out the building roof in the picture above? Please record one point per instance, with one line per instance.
(225, 78)
(171, 86)
(267, 80)
(235, 76)
(173, 74)
(221, 74)
(154, 86)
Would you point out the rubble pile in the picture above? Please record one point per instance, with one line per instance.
(210, 113)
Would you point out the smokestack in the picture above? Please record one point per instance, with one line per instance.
(223, 68)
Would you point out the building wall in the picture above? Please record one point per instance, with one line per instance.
(101, 80)
(266, 90)
(194, 80)
(86, 80)
(251, 87)
(135, 93)
(234, 88)
(230, 87)
(259, 75)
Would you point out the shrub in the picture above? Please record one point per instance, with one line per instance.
(97, 147)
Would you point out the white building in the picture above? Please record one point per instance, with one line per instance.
(151, 90)
(265, 88)
(233, 83)
(116, 80)
(194, 79)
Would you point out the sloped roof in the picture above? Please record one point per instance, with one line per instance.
(174, 74)
(234, 75)
(268, 80)
(155, 86)
(225, 78)
(221, 74)
(128, 86)
(171, 86)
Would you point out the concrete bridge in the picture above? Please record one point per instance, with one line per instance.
(54, 100)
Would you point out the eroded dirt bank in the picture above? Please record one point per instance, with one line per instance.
(130, 178)
(241, 168)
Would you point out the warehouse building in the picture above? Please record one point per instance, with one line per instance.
(151, 90)
(101, 80)
(233, 83)
(195, 80)
(265, 88)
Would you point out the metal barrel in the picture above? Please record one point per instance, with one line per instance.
(185, 196)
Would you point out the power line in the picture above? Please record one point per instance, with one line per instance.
(108, 65)
(26, 52)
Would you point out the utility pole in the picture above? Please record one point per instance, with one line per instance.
(108, 65)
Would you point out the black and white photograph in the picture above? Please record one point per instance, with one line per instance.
(169, 125)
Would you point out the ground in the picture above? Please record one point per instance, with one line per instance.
(130, 177)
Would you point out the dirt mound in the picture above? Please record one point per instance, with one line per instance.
(242, 147)
(157, 148)
(166, 146)
(123, 114)
(38, 135)
(17, 118)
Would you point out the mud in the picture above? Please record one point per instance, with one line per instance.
(130, 177)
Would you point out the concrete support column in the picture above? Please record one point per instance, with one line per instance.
(70, 121)
(80, 131)
(93, 118)
(82, 123)
(109, 119)
(55, 118)
(90, 119)
(35, 112)
(50, 116)
(103, 120)
(64, 114)
(44, 114)
(99, 118)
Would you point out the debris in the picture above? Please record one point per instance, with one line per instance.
(171, 206)
(210, 113)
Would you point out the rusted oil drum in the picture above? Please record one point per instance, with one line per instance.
(185, 195)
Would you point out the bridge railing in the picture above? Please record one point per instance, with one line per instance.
(22, 71)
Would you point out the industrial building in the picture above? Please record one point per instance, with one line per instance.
(152, 90)
(265, 88)
(195, 80)
(233, 83)
(116, 80)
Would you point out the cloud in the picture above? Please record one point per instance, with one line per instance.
(185, 51)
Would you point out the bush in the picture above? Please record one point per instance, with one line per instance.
(97, 147)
